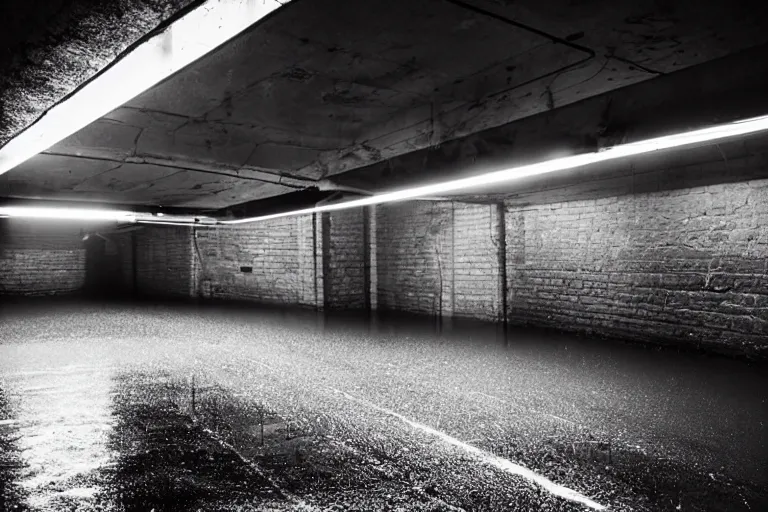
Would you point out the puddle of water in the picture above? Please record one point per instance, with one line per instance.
(165, 461)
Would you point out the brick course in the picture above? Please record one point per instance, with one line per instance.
(413, 257)
(658, 250)
(476, 262)
(345, 264)
(280, 253)
(38, 259)
(678, 265)
(439, 258)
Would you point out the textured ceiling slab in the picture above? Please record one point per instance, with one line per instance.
(328, 86)
(200, 141)
(282, 156)
(46, 174)
(237, 195)
(51, 47)
(105, 136)
(124, 178)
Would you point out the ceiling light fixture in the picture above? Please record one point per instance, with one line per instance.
(733, 129)
(87, 214)
(183, 42)
(702, 136)
(62, 213)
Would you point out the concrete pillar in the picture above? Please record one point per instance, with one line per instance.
(307, 292)
(446, 244)
(320, 250)
(499, 221)
(372, 267)
(194, 268)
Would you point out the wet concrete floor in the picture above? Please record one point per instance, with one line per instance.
(160, 406)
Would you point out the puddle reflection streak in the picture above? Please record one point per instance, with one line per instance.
(64, 420)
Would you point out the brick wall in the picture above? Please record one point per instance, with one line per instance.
(286, 260)
(280, 253)
(476, 261)
(40, 259)
(413, 256)
(50, 258)
(438, 258)
(686, 265)
(345, 260)
(373, 263)
(655, 249)
(310, 261)
(671, 263)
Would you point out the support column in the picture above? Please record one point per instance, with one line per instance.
(367, 258)
(448, 250)
(194, 289)
(501, 233)
(445, 248)
(320, 224)
(372, 266)
(307, 293)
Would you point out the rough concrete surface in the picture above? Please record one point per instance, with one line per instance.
(48, 48)
(130, 407)
(326, 86)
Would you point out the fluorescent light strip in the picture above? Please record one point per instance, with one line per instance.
(705, 135)
(164, 223)
(181, 221)
(88, 214)
(711, 134)
(31, 212)
(185, 41)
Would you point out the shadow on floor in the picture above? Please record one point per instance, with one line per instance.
(166, 461)
(12, 496)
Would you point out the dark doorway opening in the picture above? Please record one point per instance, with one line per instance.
(102, 267)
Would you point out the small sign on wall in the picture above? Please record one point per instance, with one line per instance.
(247, 270)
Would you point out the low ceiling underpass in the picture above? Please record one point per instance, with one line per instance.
(341, 89)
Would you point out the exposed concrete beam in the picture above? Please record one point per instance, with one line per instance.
(719, 91)
(243, 172)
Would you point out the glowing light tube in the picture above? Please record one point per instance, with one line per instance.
(97, 214)
(185, 41)
(62, 213)
(704, 135)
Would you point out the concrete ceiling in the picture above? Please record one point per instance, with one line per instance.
(326, 86)
(49, 47)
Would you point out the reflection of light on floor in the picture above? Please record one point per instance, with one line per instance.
(488, 458)
(64, 421)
